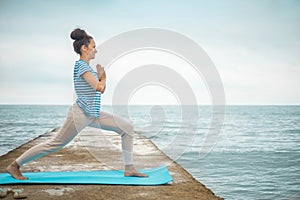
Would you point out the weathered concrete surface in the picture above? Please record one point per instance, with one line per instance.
(98, 150)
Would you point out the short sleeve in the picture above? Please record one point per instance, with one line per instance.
(82, 68)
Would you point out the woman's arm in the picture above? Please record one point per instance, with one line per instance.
(101, 74)
(94, 83)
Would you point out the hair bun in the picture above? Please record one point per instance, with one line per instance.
(78, 34)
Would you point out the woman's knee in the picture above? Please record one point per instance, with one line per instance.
(115, 123)
(54, 145)
(126, 128)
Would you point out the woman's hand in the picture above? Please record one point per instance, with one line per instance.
(98, 85)
(101, 73)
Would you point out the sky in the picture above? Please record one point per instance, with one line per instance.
(254, 45)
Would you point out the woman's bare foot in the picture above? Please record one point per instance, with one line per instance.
(131, 171)
(14, 170)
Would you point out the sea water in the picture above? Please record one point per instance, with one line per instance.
(22, 123)
(256, 155)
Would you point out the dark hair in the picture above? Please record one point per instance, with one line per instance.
(81, 38)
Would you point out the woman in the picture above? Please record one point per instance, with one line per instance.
(89, 85)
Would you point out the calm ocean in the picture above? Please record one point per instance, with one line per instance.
(257, 155)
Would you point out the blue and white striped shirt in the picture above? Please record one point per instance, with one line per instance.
(88, 99)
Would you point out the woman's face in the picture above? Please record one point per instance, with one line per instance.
(90, 51)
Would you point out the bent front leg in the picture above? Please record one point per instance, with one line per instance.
(123, 127)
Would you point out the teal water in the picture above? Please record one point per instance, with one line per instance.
(256, 156)
(22, 123)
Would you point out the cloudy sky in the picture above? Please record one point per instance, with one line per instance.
(254, 45)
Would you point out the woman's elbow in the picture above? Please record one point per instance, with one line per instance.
(100, 88)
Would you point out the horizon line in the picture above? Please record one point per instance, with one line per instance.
(65, 104)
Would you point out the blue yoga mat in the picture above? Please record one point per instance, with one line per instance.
(156, 176)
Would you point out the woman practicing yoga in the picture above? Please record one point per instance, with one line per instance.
(89, 85)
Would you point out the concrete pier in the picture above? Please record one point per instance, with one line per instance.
(94, 149)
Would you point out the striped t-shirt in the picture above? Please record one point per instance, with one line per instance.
(88, 99)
